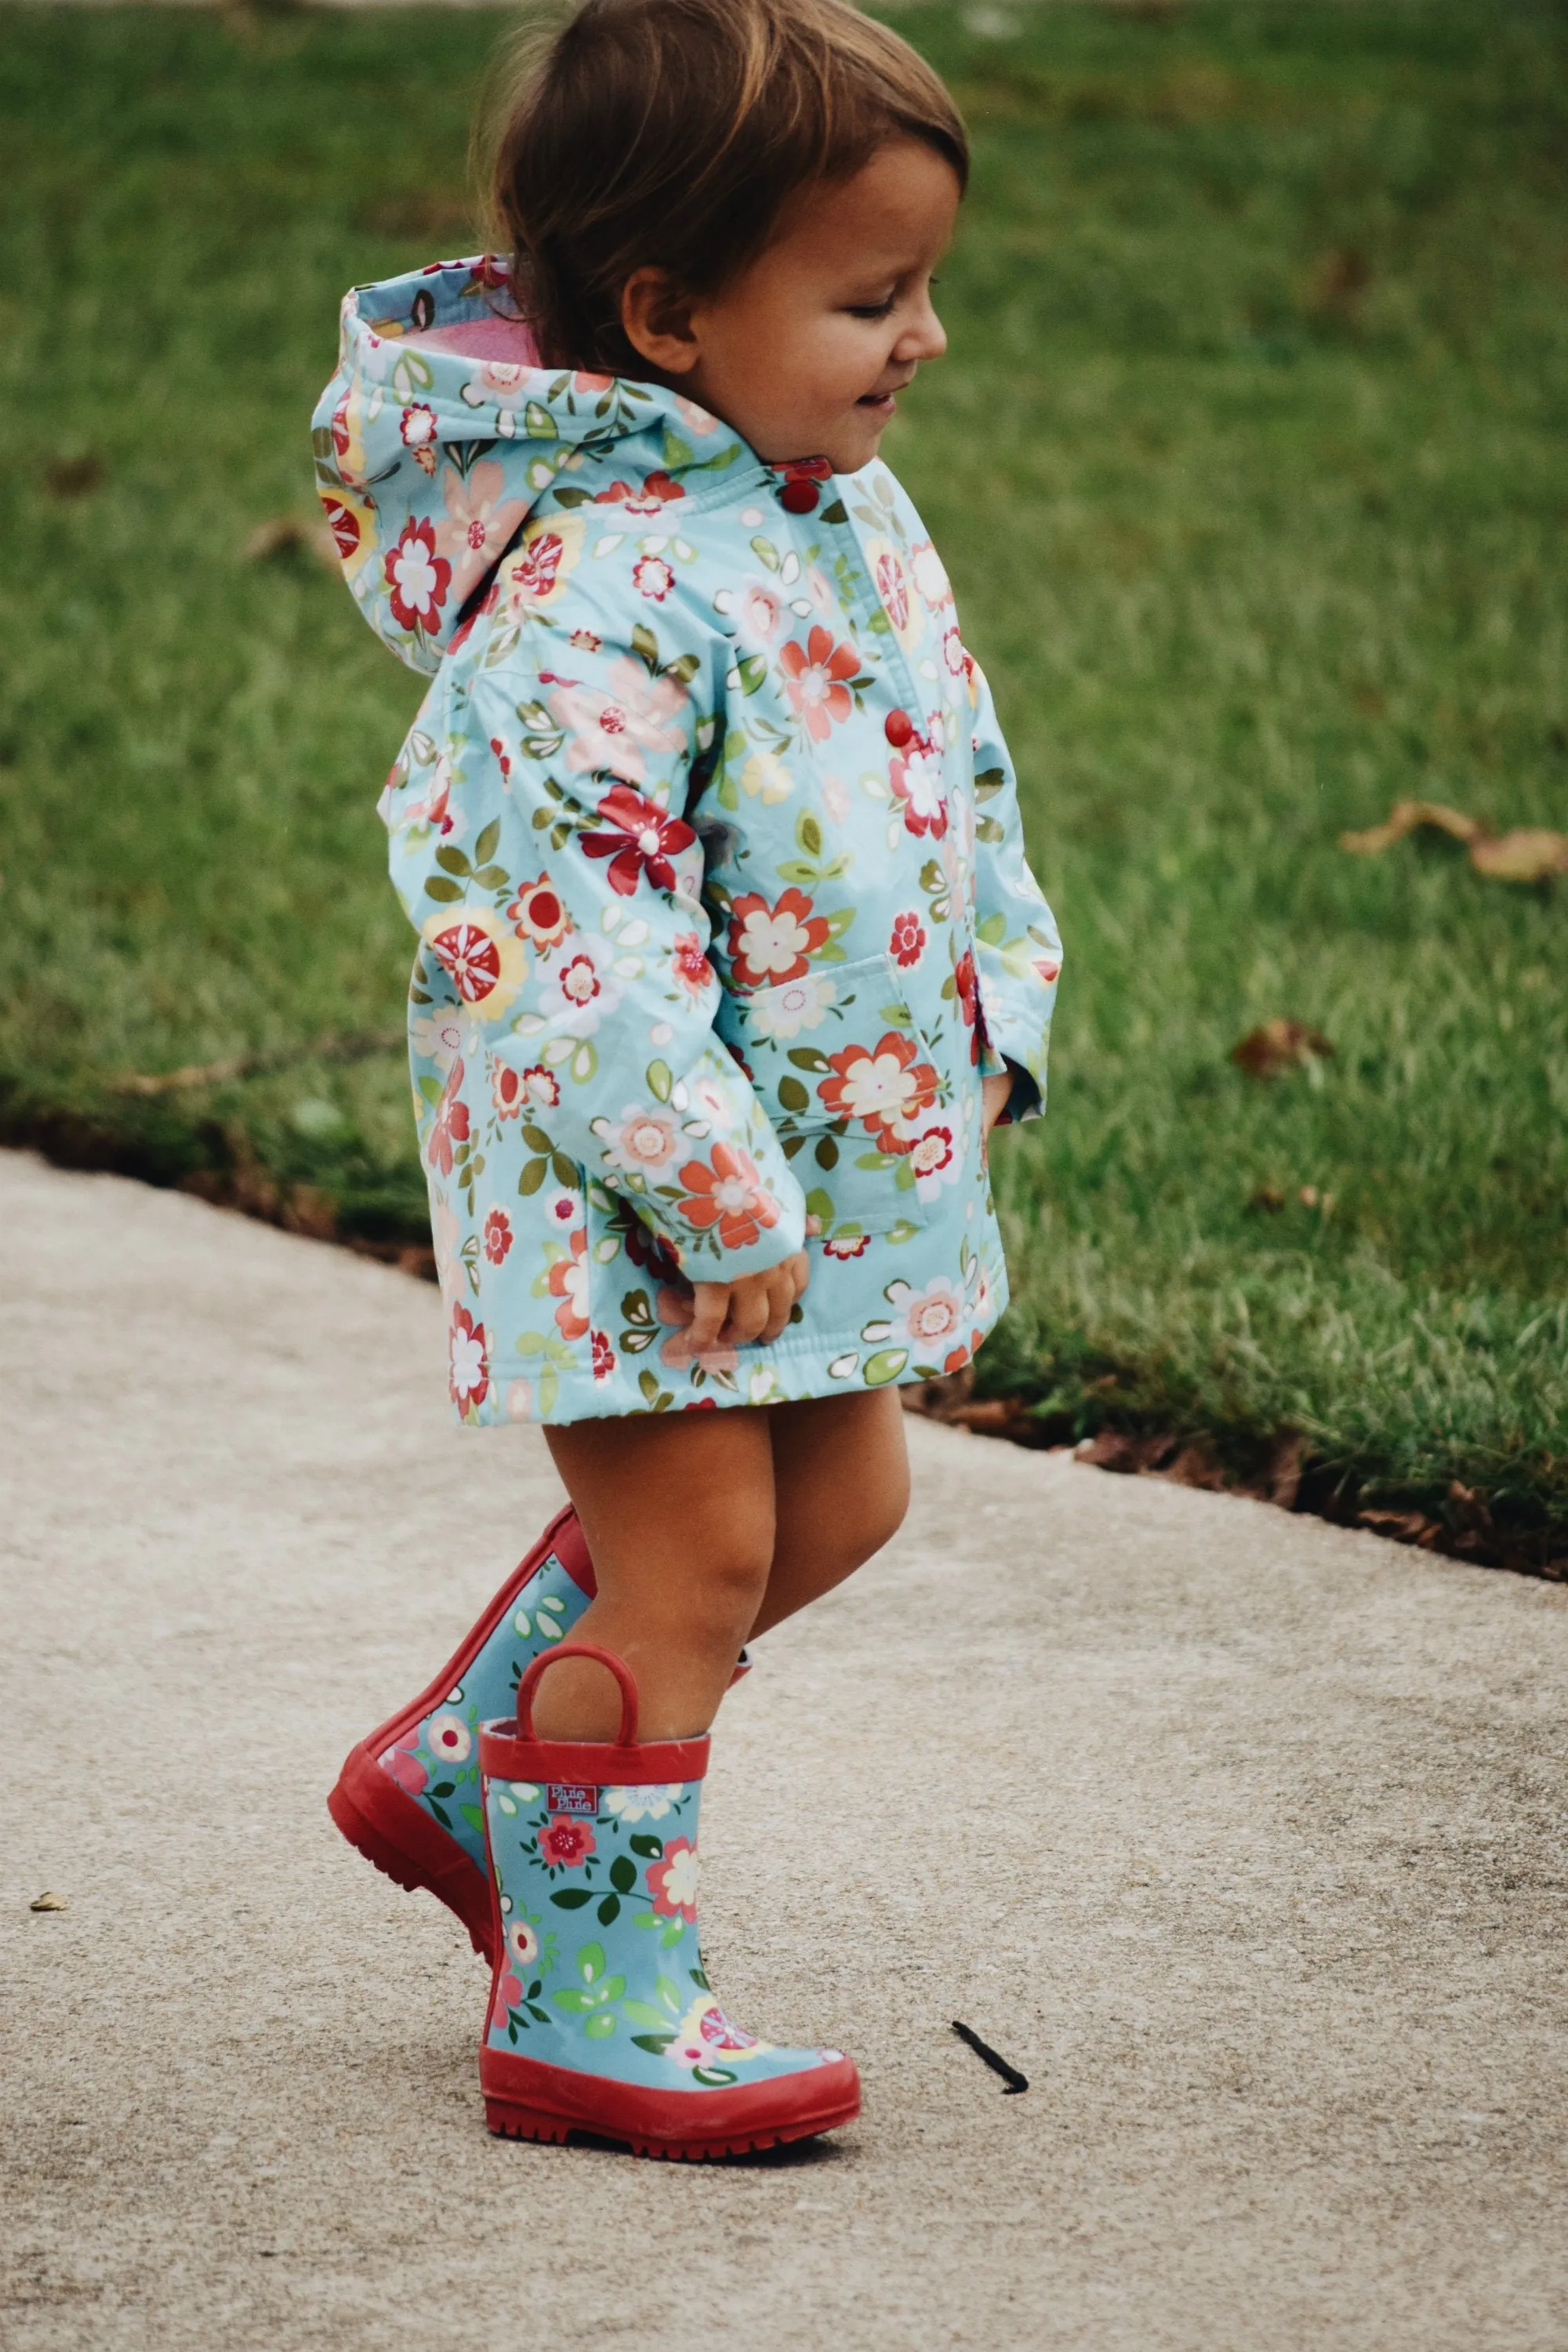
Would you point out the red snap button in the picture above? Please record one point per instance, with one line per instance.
(899, 727)
(799, 498)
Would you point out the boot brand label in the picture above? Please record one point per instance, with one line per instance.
(571, 1797)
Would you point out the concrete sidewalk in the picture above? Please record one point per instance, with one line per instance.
(1250, 1852)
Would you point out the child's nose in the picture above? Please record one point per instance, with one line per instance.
(925, 337)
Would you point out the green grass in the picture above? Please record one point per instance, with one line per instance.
(1247, 462)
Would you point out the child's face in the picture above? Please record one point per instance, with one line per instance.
(803, 352)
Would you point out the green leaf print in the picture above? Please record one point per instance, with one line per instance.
(656, 2042)
(643, 2012)
(884, 1366)
(623, 1875)
(572, 1898)
(650, 1848)
(591, 1963)
(600, 2028)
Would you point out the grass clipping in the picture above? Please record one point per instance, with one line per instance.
(1530, 852)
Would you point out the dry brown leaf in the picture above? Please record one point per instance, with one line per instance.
(1278, 1045)
(1528, 854)
(250, 1065)
(49, 1903)
(1404, 818)
(281, 535)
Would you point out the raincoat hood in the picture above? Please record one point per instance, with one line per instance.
(440, 431)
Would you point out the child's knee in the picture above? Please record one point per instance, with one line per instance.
(730, 1560)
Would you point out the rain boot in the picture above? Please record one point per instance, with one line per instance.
(409, 1796)
(600, 2016)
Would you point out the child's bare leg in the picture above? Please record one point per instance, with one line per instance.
(841, 1487)
(678, 1510)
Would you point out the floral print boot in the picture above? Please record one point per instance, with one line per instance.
(409, 1796)
(600, 2016)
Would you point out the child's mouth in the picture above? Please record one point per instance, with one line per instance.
(879, 404)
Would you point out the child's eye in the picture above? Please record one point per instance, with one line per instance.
(871, 309)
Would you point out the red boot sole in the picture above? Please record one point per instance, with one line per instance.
(382, 1822)
(548, 2103)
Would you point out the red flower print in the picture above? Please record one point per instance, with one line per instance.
(509, 1996)
(815, 677)
(672, 1881)
(469, 1350)
(537, 912)
(534, 570)
(417, 577)
(771, 943)
(566, 1843)
(343, 524)
(798, 492)
(507, 1092)
(908, 940)
(569, 1284)
(692, 969)
(847, 1246)
(418, 425)
(544, 1088)
(651, 576)
(649, 495)
(403, 1765)
(451, 1124)
(585, 641)
(884, 1088)
(497, 1235)
(604, 1355)
(915, 774)
(640, 837)
(729, 1194)
(966, 987)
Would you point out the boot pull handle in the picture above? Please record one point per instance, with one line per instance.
(627, 1734)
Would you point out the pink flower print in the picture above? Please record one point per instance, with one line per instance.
(644, 1143)
(893, 589)
(498, 1236)
(908, 940)
(689, 963)
(450, 1125)
(638, 837)
(931, 580)
(814, 680)
(672, 1882)
(538, 566)
(480, 518)
(760, 615)
(952, 651)
(448, 1739)
(469, 1356)
(509, 1996)
(568, 1282)
(403, 1765)
(417, 577)
(618, 730)
(652, 576)
(928, 1319)
(565, 1844)
(603, 1354)
(916, 776)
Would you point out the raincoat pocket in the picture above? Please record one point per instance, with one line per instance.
(845, 1077)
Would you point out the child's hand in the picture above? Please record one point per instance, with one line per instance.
(740, 1314)
(993, 1094)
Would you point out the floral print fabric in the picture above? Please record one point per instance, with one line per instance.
(601, 1967)
(711, 841)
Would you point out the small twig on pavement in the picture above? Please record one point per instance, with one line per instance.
(1011, 2077)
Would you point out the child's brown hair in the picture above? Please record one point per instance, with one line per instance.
(670, 134)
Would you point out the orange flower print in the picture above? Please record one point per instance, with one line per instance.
(815, 675)
(885, 1087)
(537, 912)
(497, 1235)
(672, 1881)
(569, 1284)
(771, 943)
(450, 1125)
(729, 1194)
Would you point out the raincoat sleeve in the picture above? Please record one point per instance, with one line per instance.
(562, 900)
(1017, 951)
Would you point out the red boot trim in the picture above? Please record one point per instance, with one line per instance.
(381, 1820)
(525, 2099)
(394, 1833)
(594, 1763)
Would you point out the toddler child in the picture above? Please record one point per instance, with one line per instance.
(729, 960)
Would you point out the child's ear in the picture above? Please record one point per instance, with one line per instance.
(657, 320)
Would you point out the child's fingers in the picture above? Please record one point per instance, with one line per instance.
(709, 1310)
(749, 1311)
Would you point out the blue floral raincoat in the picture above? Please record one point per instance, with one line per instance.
(711, 841)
